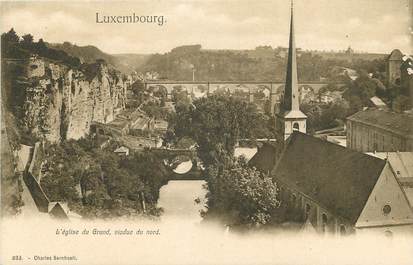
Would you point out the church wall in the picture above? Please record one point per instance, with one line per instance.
(387, 208)
(397, 230)
(296, 207)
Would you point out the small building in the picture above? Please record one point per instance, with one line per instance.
(377, 103)
(393, 62)
(336, 189)
(122, 151)
(161, 126)
(329, 96)
(377, 130)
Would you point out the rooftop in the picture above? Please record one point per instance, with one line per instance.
(264, 159)
(121, 149)
(377, 102)
(338, 179)
(399, 123)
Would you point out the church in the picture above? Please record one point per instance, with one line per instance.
(328, 187)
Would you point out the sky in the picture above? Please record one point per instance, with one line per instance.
(365, 25)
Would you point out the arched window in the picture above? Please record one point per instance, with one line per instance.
(293, 200)
(324, 221)
(307, 210)
(342, 230)
(296, 127)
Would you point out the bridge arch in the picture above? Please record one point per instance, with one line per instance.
(173, 156)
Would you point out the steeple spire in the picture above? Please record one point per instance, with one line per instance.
(291, 83)
(290, 118)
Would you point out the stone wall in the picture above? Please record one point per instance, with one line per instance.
(61, 103)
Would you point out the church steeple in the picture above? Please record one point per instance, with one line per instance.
(290, 118)
(291, 93)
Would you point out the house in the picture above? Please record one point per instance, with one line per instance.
(380, 130)
(377, 103)
(122, 151)
(307, 94)
(161, 126)
(329, 96)
(337, 190)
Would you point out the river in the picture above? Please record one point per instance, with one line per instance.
(177, 198)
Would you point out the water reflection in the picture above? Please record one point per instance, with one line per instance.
(183, 200)
(183, 167)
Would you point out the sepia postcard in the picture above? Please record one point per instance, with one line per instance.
(233, 132)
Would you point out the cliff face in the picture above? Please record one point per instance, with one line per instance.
(61, 103)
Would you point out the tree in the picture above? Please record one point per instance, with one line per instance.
(41, 48)
(216, 123)
(10, 37)
(27, 41)
(138, 89)
(241, 195)
(9, 45)
(149, 168)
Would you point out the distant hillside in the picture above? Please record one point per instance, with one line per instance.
(130, 61)
(125, 63)
(262, 63)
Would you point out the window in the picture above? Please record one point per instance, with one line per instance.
(324, 222)
(73, 89)
(307, 210)
(293, 200)
(296, 127)
(386, 209)
(342, 230)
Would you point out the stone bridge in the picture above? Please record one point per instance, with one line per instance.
(205, 88)
(172, 156)
(257, 92)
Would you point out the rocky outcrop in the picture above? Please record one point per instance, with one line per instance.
(61, 102)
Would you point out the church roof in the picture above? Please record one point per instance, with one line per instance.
(399, 123)
(264, 159)
(297, 114)
(338, 179)
(291, 94)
